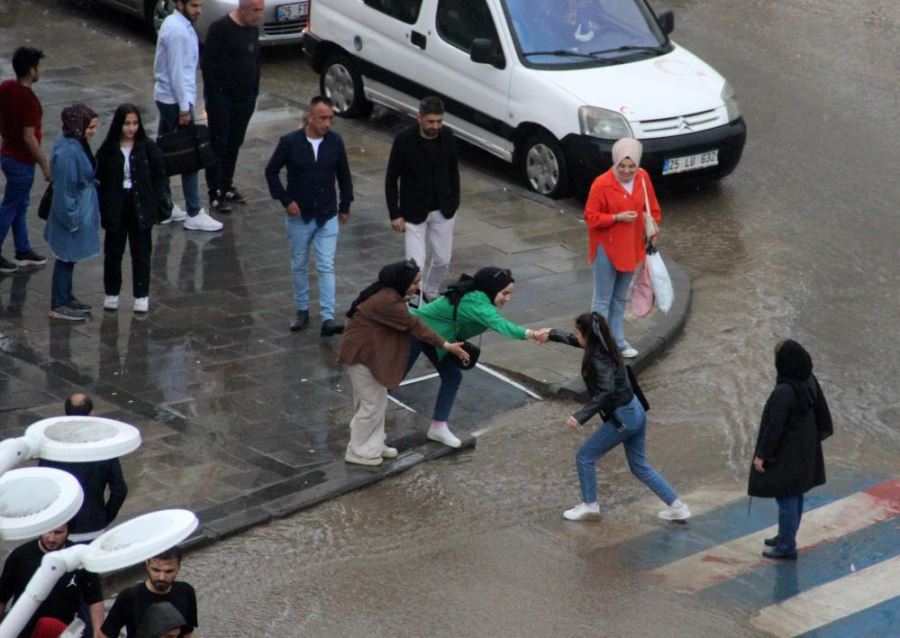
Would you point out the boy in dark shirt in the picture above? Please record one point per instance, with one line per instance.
(160, 586)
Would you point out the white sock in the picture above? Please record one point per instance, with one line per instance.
(438, 425)
(676, 503)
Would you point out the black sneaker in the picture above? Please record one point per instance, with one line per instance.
(68, 314)
(300, 320)
(30, 258)
(330, 327)
(234, 195)
(221, 205)
(78, 305)
(7, 266)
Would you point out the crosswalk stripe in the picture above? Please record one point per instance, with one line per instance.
(832, 601)
(824, 524)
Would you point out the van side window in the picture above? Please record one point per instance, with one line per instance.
(405, 10)
(461, 21)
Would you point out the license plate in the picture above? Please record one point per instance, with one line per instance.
(691, 162)
(291, 12)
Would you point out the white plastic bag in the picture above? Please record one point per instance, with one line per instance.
(660, 280)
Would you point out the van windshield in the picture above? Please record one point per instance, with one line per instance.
(565, 33)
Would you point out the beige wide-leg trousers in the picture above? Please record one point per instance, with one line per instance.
(370, 403)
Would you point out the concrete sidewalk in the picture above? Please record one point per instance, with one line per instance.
(242, 420)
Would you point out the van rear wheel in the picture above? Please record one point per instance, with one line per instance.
(544, 165)
(342, 83)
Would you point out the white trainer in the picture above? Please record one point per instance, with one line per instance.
(583, 512)
(202, 221)
(178, 215)
(677, 511)
(629, 353)
(388, 452)
(142, 304)
(111, 302)
(443, 435)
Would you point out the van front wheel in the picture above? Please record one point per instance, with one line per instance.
(545, 166)
(342, 83)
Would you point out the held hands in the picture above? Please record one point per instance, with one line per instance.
(399, 224)
(628, 216)
(457, 350)
(541, 336)
(759, 465)
(292, 209)
(572, 423)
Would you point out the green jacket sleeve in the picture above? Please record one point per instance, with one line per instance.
(475, 307)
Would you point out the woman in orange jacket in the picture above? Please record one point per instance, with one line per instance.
(615, 217)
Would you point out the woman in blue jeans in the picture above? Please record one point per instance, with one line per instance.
(624, 419)
(73, 227)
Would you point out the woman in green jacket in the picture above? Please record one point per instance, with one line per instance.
(471, 307)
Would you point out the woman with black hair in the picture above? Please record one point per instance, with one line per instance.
(131, 180)
(788, 460)
(375, 348)
(470, 307)
(73, 229)
(624, 419)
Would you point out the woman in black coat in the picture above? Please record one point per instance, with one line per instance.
(788, 460)
(131, 179)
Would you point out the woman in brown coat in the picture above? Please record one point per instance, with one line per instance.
(375, 348)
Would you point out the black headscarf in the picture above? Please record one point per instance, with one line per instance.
(398, 275)
(489, 280)
(794, 367)
(75, 121)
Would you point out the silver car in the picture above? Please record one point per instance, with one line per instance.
(282, 23)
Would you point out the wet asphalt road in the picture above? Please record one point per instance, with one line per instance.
(800, 242)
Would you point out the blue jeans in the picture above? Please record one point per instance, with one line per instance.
(302, 235)
(16, 197)
(605, 438)
(190, 182)
(610, 294)
(790, 511)
(450, 373)
(61, 283)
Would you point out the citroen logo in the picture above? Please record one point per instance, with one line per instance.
(683, 124)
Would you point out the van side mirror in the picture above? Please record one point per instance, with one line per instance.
(486, 51)
(666, 21)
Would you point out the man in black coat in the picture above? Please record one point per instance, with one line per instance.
(788, 460)
(423, 160)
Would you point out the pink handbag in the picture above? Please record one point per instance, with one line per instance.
(641, 292)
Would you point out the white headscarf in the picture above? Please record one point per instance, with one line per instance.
(626, 148)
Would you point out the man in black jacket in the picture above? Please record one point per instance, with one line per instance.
(97, 511)
(230, 65)
(314, 157)
(423, 161)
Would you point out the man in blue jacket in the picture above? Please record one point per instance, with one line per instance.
(97, 511)
(314, 157)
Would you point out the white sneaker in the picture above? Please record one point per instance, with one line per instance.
(142, 304)
(178, 215)
(443, 435)
(679, 512)
(111, 302)
(583, 512)
(389, 452)
(202, 221)
(629, 353)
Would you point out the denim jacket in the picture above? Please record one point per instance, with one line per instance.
(73, 228)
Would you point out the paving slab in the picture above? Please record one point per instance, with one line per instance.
(243, 420)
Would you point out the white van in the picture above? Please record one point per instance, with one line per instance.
(547, 84)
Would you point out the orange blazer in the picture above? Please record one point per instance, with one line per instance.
(622, 241)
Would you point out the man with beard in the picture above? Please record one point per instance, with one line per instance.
(423, 160)
(160, 586)
(67, 594)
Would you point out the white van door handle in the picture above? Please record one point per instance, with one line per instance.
(418, 39)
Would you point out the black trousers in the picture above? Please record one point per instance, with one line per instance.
(228, 119)
(141, 244)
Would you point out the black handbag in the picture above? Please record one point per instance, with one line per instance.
(46, 203)
(186, 149)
